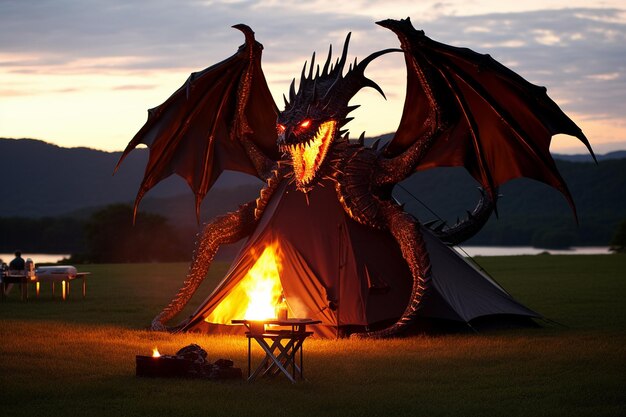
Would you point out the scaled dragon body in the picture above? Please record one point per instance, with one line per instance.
(461, 109)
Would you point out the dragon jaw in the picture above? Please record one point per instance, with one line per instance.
(308, 156)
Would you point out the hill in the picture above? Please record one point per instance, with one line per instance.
(44, 180)
(529, 212)
(41, 179)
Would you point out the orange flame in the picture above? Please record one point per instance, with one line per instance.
(256, 295)
(155, 353)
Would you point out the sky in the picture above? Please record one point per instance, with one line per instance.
(84, 72)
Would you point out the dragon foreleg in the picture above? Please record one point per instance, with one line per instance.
(405, 230)
(225, 229)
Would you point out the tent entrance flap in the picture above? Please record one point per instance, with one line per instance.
(259, 282)
(256, 295)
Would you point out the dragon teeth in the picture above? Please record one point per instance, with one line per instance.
(302, 147)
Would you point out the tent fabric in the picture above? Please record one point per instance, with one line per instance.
(348, 275)
(468, 292)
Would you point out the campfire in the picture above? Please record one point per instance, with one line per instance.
(189, 362)
(258, 296)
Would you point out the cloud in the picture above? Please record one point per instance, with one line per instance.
(167, 34)
(134, 87)
(578, 53)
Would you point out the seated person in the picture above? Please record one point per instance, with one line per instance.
(17, 264)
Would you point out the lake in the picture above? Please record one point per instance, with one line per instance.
(464, 250)
(529, 250)
(38, 258)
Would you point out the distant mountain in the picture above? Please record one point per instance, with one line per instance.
(41, 179)
(588, 157)
(529, 212)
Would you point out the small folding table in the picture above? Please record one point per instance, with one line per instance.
(281, 340)
(24, 280)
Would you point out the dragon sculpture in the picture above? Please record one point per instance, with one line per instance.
(461, 109)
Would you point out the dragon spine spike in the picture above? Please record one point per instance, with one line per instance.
(361, 140)
(310, 76)
(344, 55)
(314, 94)
(302, 77)
(327, 63)
(346, 121)
(285, 100)
(292, 90)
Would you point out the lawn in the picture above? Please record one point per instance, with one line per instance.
(77, 357)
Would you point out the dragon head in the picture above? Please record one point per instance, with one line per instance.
(314, 115)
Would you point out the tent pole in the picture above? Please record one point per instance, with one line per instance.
(340, 266)
(471, 327)
(554, 322)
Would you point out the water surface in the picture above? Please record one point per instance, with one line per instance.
(529, 250)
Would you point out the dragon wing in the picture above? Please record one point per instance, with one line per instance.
(197, 133)
(499, 124)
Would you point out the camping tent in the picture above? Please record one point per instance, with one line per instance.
(349, 276)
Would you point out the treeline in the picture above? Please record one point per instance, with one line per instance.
(530, 213)
(107, 236)
(45, 235)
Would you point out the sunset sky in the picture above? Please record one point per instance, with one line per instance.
(84, 72)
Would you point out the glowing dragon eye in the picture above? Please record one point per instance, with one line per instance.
(306, 123)
(280, 129)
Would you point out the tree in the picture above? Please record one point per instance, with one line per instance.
(618, 243)
(111, 237)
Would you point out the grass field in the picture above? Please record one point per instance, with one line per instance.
(77, 358)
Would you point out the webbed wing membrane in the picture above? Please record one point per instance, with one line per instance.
(197, 133)
(498, 125)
